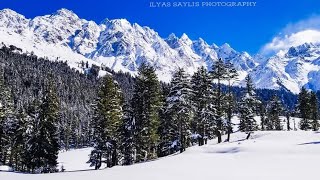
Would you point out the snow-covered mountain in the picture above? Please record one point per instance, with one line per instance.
(116, 43)
(298, 67)
(121, 45)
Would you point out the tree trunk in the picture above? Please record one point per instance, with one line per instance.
(4, 157)
(219, 106)
(262, 123)
(228, 138)
(11, 156)
(181, 144)
(229, 129)
(114, 155)
(182, 148)
(16, 161)
(248, 136)
(229, 111)
(98, 161)
(201, 141)
(109, 158)
(288, 124)
(218, 133)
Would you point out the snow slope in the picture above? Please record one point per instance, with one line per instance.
(267, 155)
(75, 159)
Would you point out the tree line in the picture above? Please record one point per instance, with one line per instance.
(46, 106)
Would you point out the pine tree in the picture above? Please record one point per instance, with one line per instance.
(107, 122)
(247, 109)
(29, 156)
(20, 138)
(168, 133)
(314, 111)
(168, 129)
(304, 109)
(180, 106)
(219, 74)
(146, 103)
(11, 129)
(126, 135)
(201, 84)
(43, 145)
(48, 130)
(231, 76)
(274, 110)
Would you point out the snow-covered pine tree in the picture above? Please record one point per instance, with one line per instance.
(168, 129)
(32, 148)
(168, 133)
(203, 94)
(180, 106)
(11, 128)
(274, 111)
(146, 103)
(8, 123)
(42, 145)
(20, 138)
(219, 74)
(314, 111)
(127, 135)
(107, 123)
(231, 77)
(66, 133)
(304, 109)
(49, 117)
(247, 109)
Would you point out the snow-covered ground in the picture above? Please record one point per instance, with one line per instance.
(285, 155)
(5, 168)
(74, 160)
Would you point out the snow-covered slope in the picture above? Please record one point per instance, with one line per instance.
(121, 45)
(267, 155)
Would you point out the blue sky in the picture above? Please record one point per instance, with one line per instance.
(244, 28)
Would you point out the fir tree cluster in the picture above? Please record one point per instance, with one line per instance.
(308, 110)
(162, 119)
(29, 137)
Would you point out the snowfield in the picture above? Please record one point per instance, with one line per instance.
(268, 155)
(75, 160)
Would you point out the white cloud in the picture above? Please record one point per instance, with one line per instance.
(294, 34)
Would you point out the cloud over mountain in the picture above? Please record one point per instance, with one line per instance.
(294, 34)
